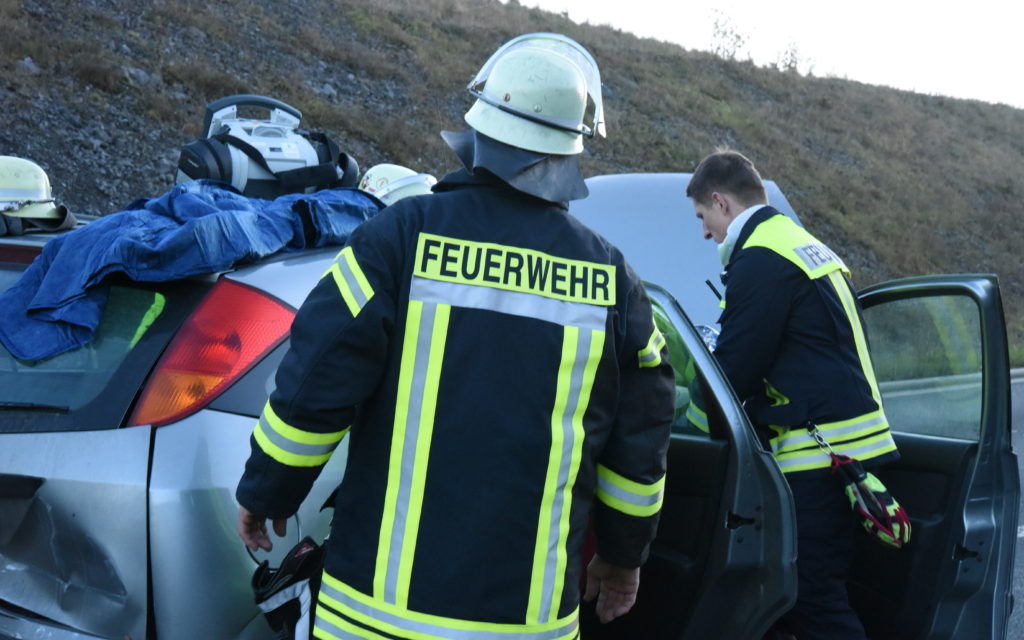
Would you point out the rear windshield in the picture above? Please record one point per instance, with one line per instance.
(74, 378)
(92, 387)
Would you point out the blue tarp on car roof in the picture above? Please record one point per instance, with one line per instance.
(195, 228)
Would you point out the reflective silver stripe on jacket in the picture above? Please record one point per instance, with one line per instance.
(352, 284)
(800, 438)
(527, 305)
(650, 355)
(628, 496)
(366, 612)
(816, 458)
(580, 367)
(414, 427)
(299, 448)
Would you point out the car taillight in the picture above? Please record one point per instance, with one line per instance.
(230, 331)
(17, 254)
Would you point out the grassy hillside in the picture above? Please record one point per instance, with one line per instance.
(900, 183)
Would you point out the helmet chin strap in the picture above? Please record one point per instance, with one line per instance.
(555, 178)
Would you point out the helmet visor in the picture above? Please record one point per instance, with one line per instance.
(593, 117)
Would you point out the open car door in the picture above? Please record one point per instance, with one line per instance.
(940, 354)
(723, 562)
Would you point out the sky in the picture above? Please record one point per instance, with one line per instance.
(967, 49)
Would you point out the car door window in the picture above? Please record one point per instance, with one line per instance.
(940, 352)
(927, 355)
(726, 530)
(690, 413)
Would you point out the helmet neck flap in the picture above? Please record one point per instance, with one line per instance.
(555, 178)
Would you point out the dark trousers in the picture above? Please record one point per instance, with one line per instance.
(825, 529)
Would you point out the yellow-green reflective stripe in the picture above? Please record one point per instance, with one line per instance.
(846, 296)
(283, 456)
(514, 269)
(355, 289)
(818, 258)
(298, 435)
(581, 353)
(628, 496)
(833, 432)
(544, 547)
(777, 397)
(796, 244)
(331, 626)
(428, 402)
(389, 618)
(697, 417)
(597, 339)
(650, 356)
(152, 314)
(517, 303)
(405, 378)
(292, 446)
(423, 351)
(815, 458)
(323, 635)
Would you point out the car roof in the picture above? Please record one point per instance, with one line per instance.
(650, 219)
(646, 215)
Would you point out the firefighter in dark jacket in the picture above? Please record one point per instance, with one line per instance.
(497, 372)
(793, 346)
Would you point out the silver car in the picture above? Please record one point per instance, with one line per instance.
(118, 461)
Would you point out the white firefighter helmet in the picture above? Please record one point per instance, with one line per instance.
(25, 190)
(540, 92)
(391, 182)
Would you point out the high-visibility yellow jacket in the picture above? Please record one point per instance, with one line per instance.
(793, 346)
(496, 368)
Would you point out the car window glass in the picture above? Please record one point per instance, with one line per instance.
(690, 412)
(72, 379)
(927, 355)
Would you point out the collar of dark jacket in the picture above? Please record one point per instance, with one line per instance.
(759, 216)
(482, 178)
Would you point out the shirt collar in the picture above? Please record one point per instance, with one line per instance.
(732, 233)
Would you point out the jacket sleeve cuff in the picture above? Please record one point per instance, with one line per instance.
(623, 540)
(271, 489)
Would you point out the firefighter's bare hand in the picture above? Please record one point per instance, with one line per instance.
(252, 529)
(614, 587)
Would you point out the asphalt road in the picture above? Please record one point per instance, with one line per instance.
(1016, 630)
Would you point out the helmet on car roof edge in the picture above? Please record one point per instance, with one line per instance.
(391, 182)
(25, 190)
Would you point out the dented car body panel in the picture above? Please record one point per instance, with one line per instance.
(73, 528)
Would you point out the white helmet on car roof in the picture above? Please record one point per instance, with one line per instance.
(391, 182)
(25, 190)
(540, 92)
